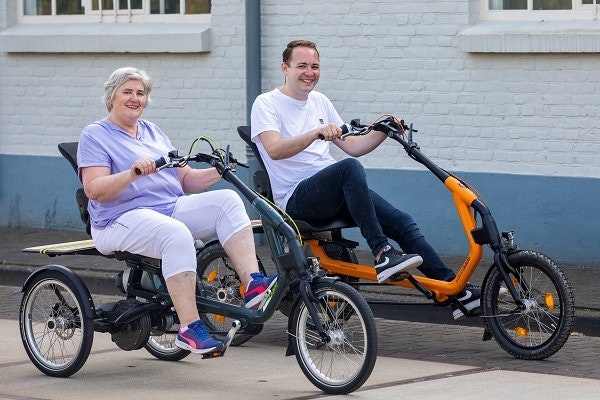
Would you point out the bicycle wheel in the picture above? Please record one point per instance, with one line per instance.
(543, 327)
(161, 343)
(217, 279)
(343, 364)
(54, 329)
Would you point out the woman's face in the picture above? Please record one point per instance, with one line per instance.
(130, 99)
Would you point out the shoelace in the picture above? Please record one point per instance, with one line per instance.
(201, 333)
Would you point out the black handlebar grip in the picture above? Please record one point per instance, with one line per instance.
(345, 129)
(159, 163)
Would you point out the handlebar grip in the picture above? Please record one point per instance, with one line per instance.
(345, 129)
(159, 163)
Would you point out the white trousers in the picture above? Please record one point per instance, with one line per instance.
(152, 234)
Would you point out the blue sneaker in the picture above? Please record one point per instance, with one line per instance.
(258, 289)
(195, 338)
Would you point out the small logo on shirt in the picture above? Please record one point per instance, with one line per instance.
(321, 121)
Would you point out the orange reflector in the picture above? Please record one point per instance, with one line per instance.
(520, 331)
(242, 290)
(549, 301)
(220, 318)
(212, 275)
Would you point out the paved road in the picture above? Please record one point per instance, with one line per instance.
(440, 343)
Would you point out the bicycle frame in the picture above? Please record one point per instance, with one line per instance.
(468, 205)
(287, 253)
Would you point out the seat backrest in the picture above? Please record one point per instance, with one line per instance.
(69, 151)
(262, 184)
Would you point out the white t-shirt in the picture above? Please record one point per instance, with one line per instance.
(275, 111)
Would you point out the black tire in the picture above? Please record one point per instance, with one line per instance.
(344, 363)
(544, 326)
(216, 279)
(163, 346)
(55, 331)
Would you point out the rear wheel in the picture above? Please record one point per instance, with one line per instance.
(544, 325)
(161, 343)
(55, 331)
(217, 280)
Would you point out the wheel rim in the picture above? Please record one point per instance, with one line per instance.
(539, 321)
(52, 322)
(341, 360)
(164, 343)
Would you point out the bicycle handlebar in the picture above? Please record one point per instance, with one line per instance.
(174, 160)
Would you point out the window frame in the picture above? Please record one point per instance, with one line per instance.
(131, 16)
(579, 12)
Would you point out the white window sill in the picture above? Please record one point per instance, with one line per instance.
(531, 37)
(106, 38)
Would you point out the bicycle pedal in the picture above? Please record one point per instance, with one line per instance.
(400, 276)
(213, 354)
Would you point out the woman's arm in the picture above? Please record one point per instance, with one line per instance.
(196, 180)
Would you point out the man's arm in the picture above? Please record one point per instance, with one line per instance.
(280, 148)
(357, 146)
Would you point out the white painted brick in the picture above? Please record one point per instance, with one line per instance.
(486, 112)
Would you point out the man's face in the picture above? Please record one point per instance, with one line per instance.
(302, 73)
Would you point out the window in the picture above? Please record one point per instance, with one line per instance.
(540, 9)
(106, 10)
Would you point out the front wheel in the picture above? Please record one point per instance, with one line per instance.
(342, 363)
(544, 325)
(55, 331)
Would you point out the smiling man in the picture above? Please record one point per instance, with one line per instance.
(292, 127)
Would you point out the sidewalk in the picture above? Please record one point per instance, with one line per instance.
(112, 372)
(427, 355)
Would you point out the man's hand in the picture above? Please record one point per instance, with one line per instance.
(328, 132)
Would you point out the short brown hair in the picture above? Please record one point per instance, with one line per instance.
(287, 53)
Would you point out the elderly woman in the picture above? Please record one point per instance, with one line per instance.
(148, 213)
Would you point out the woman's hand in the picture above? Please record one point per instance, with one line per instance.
(143, 167)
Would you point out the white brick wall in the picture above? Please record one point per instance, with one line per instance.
(510, 113)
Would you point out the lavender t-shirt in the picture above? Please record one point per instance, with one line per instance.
(103, 144)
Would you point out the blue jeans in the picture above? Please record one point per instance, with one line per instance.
(342, 187)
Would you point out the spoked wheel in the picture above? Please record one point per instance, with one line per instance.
(344, 363)
(543, 327)
(54, 329)
(161, 344)
(218, 280)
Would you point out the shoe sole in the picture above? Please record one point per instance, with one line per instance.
(256, 302)
(185, 346)
(471, 308)
(411, 263)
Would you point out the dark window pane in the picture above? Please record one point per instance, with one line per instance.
(37, 7)
(552, 4)
(135, 4)
(508, 4)
(197, 6)
(164, 7)
(69, 7)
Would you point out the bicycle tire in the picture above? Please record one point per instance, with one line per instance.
(217, 279)
(344, 363)
(544, 326)
(55, 331)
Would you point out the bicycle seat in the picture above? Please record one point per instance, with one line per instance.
(69, 151)
(262, 185)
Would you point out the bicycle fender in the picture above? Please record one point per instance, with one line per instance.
(82, 290)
